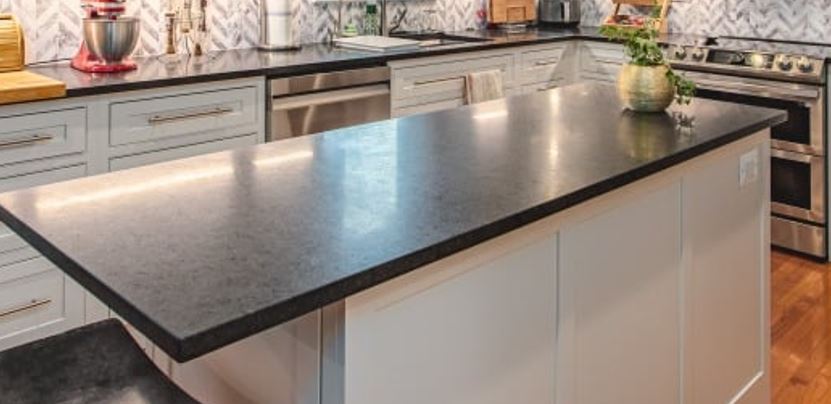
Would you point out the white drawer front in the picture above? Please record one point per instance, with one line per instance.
(37, 306)
(42, 135)
(446, 80)
(601, 59)
(23, 269)
(160, 118)
(17, 255)
(42, 178)
(541, 66)
(123, 163)
(10, 241)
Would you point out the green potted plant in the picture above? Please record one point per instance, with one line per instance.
(647, 83)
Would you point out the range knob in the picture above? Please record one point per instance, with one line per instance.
(805, 64)
(698, 54)
(680, 52)
(785, 63)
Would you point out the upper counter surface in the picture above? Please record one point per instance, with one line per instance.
(203, 252)
(159, 72)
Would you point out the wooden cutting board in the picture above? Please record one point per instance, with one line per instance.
(27, 86)
(512, 11)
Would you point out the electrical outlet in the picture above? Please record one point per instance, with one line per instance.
(748, 168)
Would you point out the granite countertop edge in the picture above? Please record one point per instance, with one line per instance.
(206, 341)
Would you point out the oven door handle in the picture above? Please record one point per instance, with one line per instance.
(805, 96)
(798, 157)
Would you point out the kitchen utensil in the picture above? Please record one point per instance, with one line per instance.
(559, 13)
(12, 44)
(275, 26)
(109, 38)
(375, 43)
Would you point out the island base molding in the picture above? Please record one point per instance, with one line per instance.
(657, 292)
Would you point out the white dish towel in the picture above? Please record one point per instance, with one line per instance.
(483, 86)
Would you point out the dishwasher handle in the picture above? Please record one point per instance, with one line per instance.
(330, 97)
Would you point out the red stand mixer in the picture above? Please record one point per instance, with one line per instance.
(109, 38)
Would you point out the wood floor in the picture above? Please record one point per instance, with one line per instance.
(801, 330)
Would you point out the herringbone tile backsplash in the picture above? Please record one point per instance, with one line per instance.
(53, 27)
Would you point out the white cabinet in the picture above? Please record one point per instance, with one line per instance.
(619, 316)
(183, 122)
(432, 84)
(655, 293)
(600, 61)
(727, 288)
(152, 119)
(58, 140)
(38, 145)
(37, 300)
(126, 162)
(546, 67)
(475, 331)
(42, 135)
(437, 83)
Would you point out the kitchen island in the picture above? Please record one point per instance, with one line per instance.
(544, 247)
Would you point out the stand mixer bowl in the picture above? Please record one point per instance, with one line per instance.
(111, 40)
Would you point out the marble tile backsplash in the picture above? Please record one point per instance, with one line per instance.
(803, 20)
(53, 27)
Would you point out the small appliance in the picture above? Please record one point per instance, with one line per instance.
(109, 38)
(559, 13)
(275, 26)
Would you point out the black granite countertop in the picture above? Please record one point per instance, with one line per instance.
(203, 252)
(160, 71)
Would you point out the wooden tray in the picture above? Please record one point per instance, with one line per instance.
(512, 11)
(27, 86)
(661, 21)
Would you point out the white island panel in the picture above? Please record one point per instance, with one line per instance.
(471, 332)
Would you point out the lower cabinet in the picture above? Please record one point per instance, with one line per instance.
(653, 294)
(472, 331)
(620, 322)
(727, 284)
(138, 160)
(60, 140)
(36, 301)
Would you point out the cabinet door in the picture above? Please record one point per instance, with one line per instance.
(619, 304)
(600, 62)
(727, 331)
(461, 333)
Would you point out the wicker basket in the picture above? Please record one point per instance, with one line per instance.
(12, 44)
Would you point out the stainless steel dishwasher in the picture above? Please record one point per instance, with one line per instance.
(304, 105)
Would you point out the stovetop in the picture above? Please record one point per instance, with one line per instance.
(749, 57)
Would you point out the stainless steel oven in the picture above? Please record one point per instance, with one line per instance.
(802, 133)
(798, 162)
(308, 104)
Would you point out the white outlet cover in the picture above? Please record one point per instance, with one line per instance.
(748, 168)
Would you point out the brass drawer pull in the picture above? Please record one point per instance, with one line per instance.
(159, 119)
(35, 303)
(25, 141)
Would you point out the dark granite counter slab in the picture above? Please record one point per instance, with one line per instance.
(203, 252)
(156, 72)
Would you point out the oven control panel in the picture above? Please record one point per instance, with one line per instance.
(751, 63)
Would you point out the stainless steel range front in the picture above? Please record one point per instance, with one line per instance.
(737, 71)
